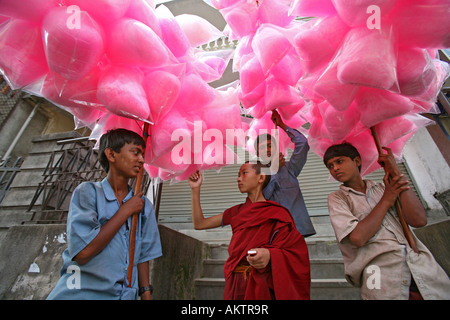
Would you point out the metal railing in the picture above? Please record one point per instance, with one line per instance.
(8, 171)
(76, 162)
(73, 164)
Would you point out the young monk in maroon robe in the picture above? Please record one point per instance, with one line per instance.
(268, 257)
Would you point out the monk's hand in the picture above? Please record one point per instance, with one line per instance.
(195, 180)
(259, 260)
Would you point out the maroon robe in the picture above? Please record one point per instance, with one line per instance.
(266, 224)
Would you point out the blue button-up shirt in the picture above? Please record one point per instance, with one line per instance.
(284, 189)
(105, 275)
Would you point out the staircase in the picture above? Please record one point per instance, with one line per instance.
(327, 265)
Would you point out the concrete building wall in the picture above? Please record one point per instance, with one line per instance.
(429, 169)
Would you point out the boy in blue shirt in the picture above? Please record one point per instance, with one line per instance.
(283, 187)
(98, 228)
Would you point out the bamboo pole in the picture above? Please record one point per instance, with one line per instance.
(134, 217)
(407, 232)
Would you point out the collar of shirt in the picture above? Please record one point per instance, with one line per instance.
(109, 192)
(369, 185)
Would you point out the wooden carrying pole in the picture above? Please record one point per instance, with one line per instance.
(407, 232)
(134, 217)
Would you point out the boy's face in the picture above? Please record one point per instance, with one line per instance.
(343, 168)
(265, 150)
(129, 161)
(248, 179)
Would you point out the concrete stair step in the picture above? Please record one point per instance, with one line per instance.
(333, 289)
(323, 247)
(209, 288)
(321, 289)
(327, 267)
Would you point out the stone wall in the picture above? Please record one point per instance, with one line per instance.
(31, 260)
(174, 273)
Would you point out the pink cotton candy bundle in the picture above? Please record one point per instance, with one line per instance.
(215, 157)
(130, 59)
(167, 163)
(120, 91)
(111, 63)
(104, 11)
(377, 105)
(220, 4)
(368, 58)
(265, 125)
(242, 17)
(84, 116)
(216, 64)
(318, 40)
(269, 71)
(72, 52)
(162, 132)
(424, 24)
(209, 65)
(279, 94)
(338, 94)
(131, 41)
(73, 94)
(245, 16)
(112, 121)
(442, 72)
(152, 171)
(393, 129)
(275, 12)
(357, 12)
(190, 170)
(172, 33)
(214, 118)
(224, 106)
(252, 98)
(270, 46)
(415, 71)
(32, 10)
(251, 75)
(338, 123)
(198, 30)
(287, 112)
(316, 8)
(22, 57)
(288, 70)
(162, 90)
(362, 63)
(194, 93)
(144, 12)
(365, 145)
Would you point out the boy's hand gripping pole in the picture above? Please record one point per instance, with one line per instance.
(407, 232)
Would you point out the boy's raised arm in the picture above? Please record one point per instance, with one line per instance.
(198, 220)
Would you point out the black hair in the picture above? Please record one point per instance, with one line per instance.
(338, 150)
(116, 139)
(262, 138)
(257, 165)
